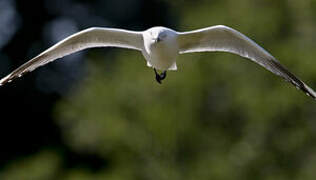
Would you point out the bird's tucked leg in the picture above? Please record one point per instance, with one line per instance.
(163, 75)
(160, 77)
(157, 76)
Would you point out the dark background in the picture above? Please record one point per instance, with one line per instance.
(27, 122)
(99, 114)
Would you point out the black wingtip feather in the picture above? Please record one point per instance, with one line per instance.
(288, 76)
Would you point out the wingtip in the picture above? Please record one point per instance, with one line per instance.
(3, 81)
(6, 79)
(309, 92)
(306, 89)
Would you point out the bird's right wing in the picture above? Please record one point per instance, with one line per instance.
(89, 38)
(226, 39)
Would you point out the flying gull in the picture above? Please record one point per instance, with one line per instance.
(161, 46)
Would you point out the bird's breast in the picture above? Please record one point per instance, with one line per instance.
(162, 56)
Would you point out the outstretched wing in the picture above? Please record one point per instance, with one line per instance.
(89, 38)
(223, 38)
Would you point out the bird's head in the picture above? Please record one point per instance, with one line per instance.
(159, 34)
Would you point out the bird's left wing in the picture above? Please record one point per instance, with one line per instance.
(89, 38)
(226, 39)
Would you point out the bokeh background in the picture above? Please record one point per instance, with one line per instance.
(100, 114)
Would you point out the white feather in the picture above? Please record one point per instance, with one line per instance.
(160, 47)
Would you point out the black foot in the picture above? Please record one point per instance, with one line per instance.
(157, 76)
(163, 75)
(160, 77)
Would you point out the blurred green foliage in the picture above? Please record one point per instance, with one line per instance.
(219, 116)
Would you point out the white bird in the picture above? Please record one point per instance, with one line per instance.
(160, 47)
